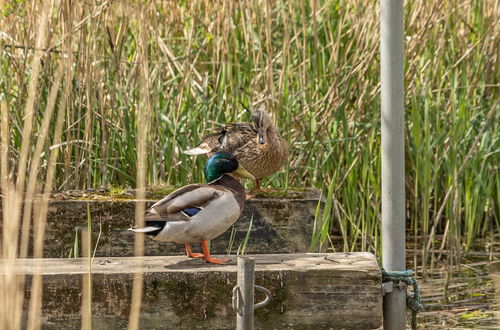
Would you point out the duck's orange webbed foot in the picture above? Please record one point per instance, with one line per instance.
(248, 195)
(210, 259)
(214, 260)
(191, 254)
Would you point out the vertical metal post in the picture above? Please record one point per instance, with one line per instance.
(245, 320)
(393, 172)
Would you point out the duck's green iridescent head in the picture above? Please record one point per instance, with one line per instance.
(221, 163)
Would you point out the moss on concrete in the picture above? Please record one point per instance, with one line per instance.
(289, 193)
(154, 193)
(197, 297)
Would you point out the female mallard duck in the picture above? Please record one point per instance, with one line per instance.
(200, 212)
(258, 146)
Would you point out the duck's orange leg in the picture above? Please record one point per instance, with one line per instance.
(250, 194)
(191, 254)
(257, 184)
(208, 257)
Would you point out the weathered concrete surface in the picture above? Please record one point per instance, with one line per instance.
(310, 291)
(282, 223)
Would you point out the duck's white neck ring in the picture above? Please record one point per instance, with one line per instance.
(216, 179)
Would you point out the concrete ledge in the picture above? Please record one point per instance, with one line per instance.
(336, 290)
(280, 224)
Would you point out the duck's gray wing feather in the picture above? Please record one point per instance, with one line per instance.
(164, 217)
(193, 195)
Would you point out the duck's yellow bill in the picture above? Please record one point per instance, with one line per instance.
(244, 173)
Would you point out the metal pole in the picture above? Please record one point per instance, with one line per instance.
(393, 172)
(244, 320)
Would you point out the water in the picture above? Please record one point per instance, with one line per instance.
(470, 299)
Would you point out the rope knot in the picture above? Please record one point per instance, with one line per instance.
(413, 299)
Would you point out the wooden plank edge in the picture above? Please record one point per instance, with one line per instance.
(339, 262)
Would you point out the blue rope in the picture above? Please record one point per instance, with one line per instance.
(413, 299)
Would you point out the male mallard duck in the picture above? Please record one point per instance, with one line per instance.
(258, 146)
(200, 212)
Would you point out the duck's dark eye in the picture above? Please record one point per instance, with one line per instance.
(256, 121)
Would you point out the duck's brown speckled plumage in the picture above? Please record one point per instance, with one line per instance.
(242, 140)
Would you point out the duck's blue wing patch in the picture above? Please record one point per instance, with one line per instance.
(191, 211)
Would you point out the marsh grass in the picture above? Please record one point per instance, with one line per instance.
(231, 240)
(136, 83)
(243, 245)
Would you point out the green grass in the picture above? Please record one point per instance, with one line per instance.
(243, 245)
(314, 64)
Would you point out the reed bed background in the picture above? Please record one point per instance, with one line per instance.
(87, 86)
